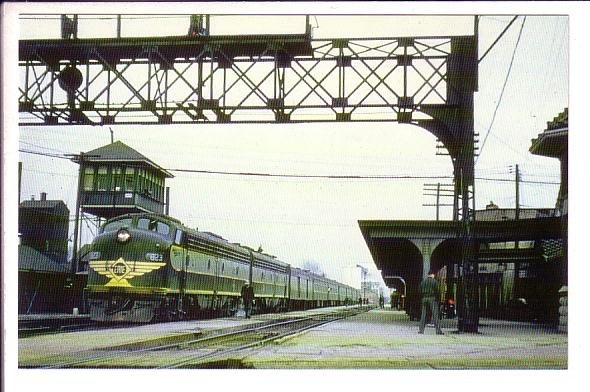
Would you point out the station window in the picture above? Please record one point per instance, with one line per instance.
(117, 184)
(129, 177)
(102, 179)
(89, 179)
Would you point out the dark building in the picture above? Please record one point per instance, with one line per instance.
(518, 279)
(43, 225)
(44, 282)
(553, 143)
(44, 285)
(117, 180)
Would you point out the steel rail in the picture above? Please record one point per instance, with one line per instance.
(224, 354)
(112, 354)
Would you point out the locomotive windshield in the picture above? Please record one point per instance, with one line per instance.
(153, 225)
(146, 224)
(116, 225)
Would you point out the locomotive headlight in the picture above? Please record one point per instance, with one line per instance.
(123, 235)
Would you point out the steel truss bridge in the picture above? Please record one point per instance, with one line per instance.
(289, 78)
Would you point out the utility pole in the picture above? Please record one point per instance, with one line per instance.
(112, 135)
(118, 27)
(441, 191)
(20, 173)
(517, 181)
(76, 224)
(516, 212)
(79, 159)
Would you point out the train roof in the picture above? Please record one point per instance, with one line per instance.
(302, 271)
(203, 240)
(214, 243)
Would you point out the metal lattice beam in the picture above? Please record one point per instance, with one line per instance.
(179, 80)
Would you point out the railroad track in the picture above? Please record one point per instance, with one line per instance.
(55, 327)
(34, 328)
(222, 349)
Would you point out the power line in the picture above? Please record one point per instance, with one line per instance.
(336, 177)
(502, 92)
(106, 17)
(497, 39)
(522, 181)
(60, 156)
(38, 146)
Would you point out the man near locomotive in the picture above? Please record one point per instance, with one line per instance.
(248, 298)
(430, 292)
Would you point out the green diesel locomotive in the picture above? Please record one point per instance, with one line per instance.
(149, 267)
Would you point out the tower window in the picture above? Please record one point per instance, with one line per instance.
(102, 179)
(89, 179)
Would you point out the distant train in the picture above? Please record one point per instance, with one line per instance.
(149, 267)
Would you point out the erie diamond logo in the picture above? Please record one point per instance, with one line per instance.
(119, 269)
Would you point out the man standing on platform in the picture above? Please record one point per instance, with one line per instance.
(430, 292)
(248, 298)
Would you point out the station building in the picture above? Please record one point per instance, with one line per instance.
(522, 263)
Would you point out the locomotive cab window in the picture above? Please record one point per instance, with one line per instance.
(153, 225)
(163, 228)
(116, 225)
(178, 237)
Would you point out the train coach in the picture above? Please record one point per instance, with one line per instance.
(149, 267)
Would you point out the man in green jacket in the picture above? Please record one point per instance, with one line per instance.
(430, 292)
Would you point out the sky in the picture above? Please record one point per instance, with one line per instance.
(315, 220)
(312, 219)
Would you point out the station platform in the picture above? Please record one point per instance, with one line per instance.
(377, 339)
(385, 339)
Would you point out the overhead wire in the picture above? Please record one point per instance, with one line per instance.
(314, 176)
(497, 39)
(502, 92)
